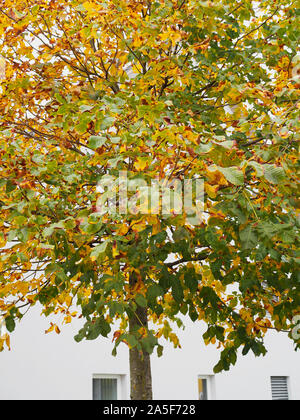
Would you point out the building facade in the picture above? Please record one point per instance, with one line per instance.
(53, 367)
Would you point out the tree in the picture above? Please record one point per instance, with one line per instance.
(175, 89)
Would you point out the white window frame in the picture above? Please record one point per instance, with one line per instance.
(121, 384)
(211, 395)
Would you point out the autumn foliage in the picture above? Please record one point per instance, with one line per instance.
(170, 88)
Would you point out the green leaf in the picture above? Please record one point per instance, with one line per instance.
(104, 327)
(248, 281)
(10, 324)
(97, 141)
(257, 166)
(141, 300)
(80, 336)
(132, 341)
(114, 162)
(191, 279)
(149, 343)
(106, 123)
(248, 237)
(47, 246)
(98, 250)
(59, 98)
(115, 308)
(20, 220)
(10, 186)
(181, 233)
(232, 356)
(246, 349)
(177, 291)
(48, 231)
(227, 144)
(267, 230)
(160, 350)
(91, 228)
(234, 175)
(193, 314)
(274, 174)
(96, 328)
(219, 367)
(204, 148)
(154, 291)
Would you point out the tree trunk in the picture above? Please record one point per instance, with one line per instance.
(140, 368)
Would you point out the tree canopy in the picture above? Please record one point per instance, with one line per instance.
(175, 89)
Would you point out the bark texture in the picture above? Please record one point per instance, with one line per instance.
(139, 362)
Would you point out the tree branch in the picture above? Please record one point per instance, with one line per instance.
(199, 257)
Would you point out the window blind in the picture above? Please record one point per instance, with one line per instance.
(279, 388)
(104, 389)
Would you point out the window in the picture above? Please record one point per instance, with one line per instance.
(202, 389)
(105, 389)
(205, 387)
(279, 386)
(108, 387)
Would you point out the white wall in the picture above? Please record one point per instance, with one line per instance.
(51, 366)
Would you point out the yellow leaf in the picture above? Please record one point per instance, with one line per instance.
(90, 7)
(22, 287)
(156, 227)
(175, 340)
(76, 277)
(67, 319)
(138, 226)
(7, 341)
(2, 68)
(236, 262)
(141, 163)
(122, 230)
(211, 190)
(115, 251)
(50, 329)
(216, 177)
(68, 300)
